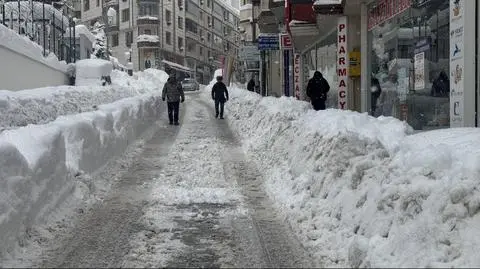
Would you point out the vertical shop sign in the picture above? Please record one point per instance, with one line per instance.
(342, 62)
(297, 75)
(286, 72)
(419, 71)
(457, 62)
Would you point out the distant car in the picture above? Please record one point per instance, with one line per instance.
(190, 84)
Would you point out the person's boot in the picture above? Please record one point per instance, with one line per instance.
(216, 116)
(171, 123)
(176, 123)
(221, 117)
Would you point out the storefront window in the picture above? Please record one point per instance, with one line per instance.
(410, 47)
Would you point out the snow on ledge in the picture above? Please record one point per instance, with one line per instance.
(148, 38)
(246, 7)
(153, 18)
(23, 45)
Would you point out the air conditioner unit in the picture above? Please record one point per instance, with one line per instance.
(169, 22)
(202, 38)
(181, 48)
(209, 24)
(201, 2)
(180, 7)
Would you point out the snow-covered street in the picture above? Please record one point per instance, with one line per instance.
(185, 197)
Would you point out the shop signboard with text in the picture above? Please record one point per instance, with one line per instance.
(297, 75)
(419, 64)
(342, 62)
(457, 62)
(384, 10)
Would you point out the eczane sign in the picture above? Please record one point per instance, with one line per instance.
(342, 62)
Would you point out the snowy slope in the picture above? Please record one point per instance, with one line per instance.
(361, 191)
(42, 105)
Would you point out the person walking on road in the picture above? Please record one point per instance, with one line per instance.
(220, 96)
(251, 85)
(173, 92)
(317, 90)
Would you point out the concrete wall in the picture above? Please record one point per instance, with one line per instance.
(19, 72)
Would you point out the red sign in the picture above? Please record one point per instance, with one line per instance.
(342, 62)
(297, 75)
(385, 10)
(286, 41)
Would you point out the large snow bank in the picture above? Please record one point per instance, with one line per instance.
(46, 104)
(23, 45)
(361, 191)
(40, 164)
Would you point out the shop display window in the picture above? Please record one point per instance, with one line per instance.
(410, 63)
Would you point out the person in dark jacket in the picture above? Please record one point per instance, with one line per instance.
(441, 85)
(317, 90)
(220, 95)
(376, 91)
(173, 92)
(251, 85)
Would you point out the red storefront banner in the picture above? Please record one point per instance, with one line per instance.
(385, 10)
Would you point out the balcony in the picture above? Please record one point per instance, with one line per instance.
(271, 13)
(191, 35)
(148, 41)
(147, 20)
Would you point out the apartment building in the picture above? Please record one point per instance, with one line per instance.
(192, 35)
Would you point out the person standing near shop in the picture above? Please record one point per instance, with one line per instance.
(251, 85)
(220, 96)
(317, 90)
(376, 92)
(173, 93)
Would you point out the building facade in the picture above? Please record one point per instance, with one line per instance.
(189, 35)
(409, 59)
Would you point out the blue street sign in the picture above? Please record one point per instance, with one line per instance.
(268, 42)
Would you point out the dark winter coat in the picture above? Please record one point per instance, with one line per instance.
(375, 94)
(317, 88)
(173, 91)
(441, 85)
(251, 85)
(220, 92)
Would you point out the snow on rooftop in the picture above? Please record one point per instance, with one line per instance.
(153, 18)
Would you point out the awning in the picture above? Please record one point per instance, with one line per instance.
(176, 66)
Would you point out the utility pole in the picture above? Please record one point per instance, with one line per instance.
(43, 23)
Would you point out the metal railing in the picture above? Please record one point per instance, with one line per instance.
(43, 24)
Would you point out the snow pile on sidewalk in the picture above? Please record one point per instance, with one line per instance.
(42, 105)
(360, 191)
(43, 167)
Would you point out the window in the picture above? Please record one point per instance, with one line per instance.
(78, 14)
(209, 19)
(147, 32)
(209, 37)
(191, 25)
(148, 9)
(180, 22)
(201, 16)
(191, 46)
(128, 38)
(209, 54)
(217, 24)
(217, 8)
(208, 3)
(168, 38)
(200, 32)
(180, 4)
(86, 5)
(98, 3)
(180, 43)
(168, 16)
(201, 50)
(114, 40)
(125, 15)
